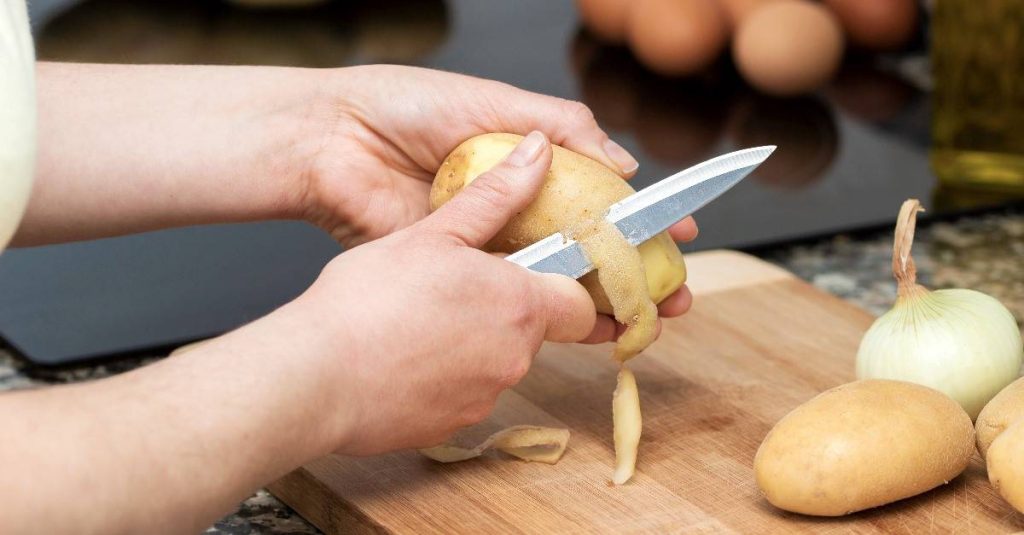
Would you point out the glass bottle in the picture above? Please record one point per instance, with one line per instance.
(977, 54)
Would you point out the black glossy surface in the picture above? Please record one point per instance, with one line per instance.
(846, 159)
(88, 300)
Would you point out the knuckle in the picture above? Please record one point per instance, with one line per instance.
(494, 185)
(579, 112)
(522, 312)
(485, 197)
(514, 371)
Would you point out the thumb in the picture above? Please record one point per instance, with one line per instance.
(483, 207)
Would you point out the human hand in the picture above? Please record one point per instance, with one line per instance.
(353, 150)
(392, 128)
(432, 328)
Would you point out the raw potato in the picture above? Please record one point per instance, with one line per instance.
(861, 445)
(578, 189)
(628, 425)
(1006, 465)
(528, 442)
(1006, 408)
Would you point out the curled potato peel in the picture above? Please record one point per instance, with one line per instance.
(621, 273)
(527, 442)
(628, 425)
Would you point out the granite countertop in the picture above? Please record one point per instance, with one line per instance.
(984, 253)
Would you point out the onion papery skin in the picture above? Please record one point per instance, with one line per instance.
(960, 342)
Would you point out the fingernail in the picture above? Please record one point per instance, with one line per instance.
(527, 150)
(627, 164)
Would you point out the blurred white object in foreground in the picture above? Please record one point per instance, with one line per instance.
(17, 115)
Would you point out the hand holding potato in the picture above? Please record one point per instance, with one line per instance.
(395, 125)
(351, 150)
(393, 128)
(433, 329)
(397, 344)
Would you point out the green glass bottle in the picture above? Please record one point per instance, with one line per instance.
(977, 54)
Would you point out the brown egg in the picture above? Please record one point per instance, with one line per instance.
(737, 10)
(788, 47)
(606, 18)
(877, 24)
(677, 37)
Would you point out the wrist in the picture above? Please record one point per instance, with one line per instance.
(296, 128)
(334, 143)
(313, 127)
(321, 358)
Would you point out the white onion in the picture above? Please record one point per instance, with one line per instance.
(17, 115)
(961, 342)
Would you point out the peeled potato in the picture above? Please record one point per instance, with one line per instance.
(1000, 413)
(861, 445)
(578, 189)
(1006, 465)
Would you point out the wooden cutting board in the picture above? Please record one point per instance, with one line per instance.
(757, 343)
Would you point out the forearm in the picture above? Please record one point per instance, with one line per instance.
(133, 148)
(172, 446)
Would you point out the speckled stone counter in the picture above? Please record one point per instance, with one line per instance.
(984, 253)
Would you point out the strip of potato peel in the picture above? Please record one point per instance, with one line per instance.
(527, 442)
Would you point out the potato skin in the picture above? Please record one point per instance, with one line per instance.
(577, 189)
(861, 445)
(1002, 411)
(1006, 465)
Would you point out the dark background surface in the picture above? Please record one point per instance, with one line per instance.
(846, 159)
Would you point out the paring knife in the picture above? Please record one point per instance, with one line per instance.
(648, 212)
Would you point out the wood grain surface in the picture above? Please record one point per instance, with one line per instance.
(757, 343)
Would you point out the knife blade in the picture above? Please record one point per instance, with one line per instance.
(648, 212)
